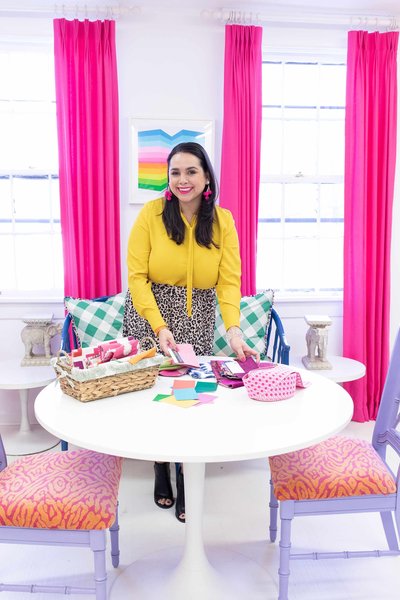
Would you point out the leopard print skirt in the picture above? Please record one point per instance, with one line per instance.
(197, 330)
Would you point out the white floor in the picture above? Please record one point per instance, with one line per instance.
(235, 519)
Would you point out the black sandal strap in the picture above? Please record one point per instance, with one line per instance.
(162, 485)
(180, 495)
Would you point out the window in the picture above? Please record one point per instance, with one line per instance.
(30, 232)
(300, 233)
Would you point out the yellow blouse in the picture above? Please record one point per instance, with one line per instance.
(154, 258)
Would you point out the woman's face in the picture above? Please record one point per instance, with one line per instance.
(187, 178)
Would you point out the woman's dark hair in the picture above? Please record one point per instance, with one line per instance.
(171, 214)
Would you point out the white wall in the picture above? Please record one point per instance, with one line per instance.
(170, 65)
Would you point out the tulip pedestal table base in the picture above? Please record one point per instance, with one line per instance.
(216, 574)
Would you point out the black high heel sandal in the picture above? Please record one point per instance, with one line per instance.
(180, 495)
(162, 485)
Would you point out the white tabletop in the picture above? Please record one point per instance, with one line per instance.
(233, 428)
(343, 369)
(15, 377)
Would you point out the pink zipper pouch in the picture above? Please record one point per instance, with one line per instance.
(276, 383)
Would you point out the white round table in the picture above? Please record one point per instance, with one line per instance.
(233, 428)
(343, 369)
(25, 438)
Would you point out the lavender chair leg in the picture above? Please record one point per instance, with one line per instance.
(273, 513)
(98, 546)
(285, 545)
(114, 536)
(390, 532)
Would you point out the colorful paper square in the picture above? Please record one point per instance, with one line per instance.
(183, 384)
(206, 386)
(160, 397)
(180, 403)
(185, 394)
(206, 398)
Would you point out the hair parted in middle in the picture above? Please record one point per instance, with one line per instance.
(205, 218)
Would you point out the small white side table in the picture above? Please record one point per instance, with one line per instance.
(343, 369)
(27, 438)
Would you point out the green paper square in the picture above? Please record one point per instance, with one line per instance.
(206, 386)
(160, 397)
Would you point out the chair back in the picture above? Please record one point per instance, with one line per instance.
(3, 457)
(277, 348)
(385, 431)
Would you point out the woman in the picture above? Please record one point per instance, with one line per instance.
(183, 252)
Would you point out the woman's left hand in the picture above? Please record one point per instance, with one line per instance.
(242, 350)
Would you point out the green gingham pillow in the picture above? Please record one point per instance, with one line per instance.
(255, 313)
(95, 321)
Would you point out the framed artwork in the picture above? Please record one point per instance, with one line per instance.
(151, 141)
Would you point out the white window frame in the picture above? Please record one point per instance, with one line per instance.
(337, 56)
(19, 294)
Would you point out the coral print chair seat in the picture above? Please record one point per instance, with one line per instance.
(341, 475)
(59, 498)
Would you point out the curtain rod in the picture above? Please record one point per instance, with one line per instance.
(239, 17)
(78, 11)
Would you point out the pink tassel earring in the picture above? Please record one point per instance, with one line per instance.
(207, 192)
(168, 194)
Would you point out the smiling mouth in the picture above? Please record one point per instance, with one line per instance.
(184, 190)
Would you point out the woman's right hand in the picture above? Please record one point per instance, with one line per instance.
(166, 340)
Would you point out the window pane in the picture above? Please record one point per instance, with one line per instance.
(331, 200)
(270, 112)
(7, 267)
(33, 143)
(270, 230)
(300, 264)
(31, 197)
(270, 202)
(5, 198)
(57, 263)
(300, 229)
(6, 141)
(269, 265)
(332, 85)
(300, 143)
(31, 75)
(331, 148)
(5, 76)
(331, 263)
(301, 84)
(328, 113)
(299, 112)
(271, 148)
(301, 201)
(55, 198)
(32, 253)
(272, 81)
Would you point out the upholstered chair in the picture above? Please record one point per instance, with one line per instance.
(61, 499)
(341, 475)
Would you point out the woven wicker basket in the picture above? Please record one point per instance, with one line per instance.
(110, 385)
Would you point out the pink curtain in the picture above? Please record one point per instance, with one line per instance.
(241, 140)
(88, 122)
(370, 157)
